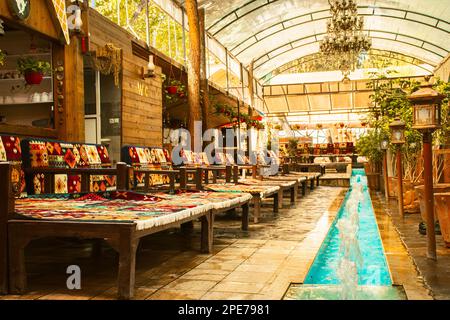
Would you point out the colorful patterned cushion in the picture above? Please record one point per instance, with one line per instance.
(2, 151)
(10, 150)
(151, 158)
(41, 153)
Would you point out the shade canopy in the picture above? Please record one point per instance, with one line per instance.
(276, 32)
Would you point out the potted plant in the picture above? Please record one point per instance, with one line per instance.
(33, 70)
(368, 146)
(2, 57)
(176, 87)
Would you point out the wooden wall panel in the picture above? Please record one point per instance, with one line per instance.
(141, 99)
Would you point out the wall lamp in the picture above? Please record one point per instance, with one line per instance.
(149, 71)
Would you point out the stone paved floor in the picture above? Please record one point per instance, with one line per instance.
(259, 264)
(403, 270)
(436, 274)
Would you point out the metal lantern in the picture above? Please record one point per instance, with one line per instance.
(397, 131)
(384, 144)
(427, 109)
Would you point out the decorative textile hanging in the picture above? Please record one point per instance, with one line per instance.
(108, 60)
(59, 10)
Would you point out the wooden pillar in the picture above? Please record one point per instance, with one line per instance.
(203, 72)
(386, 182)
(194, 113)
(251, 88)
(70, 120)
(400, 182)
(429, 198)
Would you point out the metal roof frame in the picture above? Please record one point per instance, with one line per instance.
(382, 53)
(311, 15)
(290, 43)
(405, 17)
(264, 78)
(369, 11)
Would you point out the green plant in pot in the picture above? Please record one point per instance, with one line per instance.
(176, 87)
(33, 70)
(369, 146)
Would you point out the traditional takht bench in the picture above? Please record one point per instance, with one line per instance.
(221, 201)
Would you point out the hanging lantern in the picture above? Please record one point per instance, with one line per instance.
(397, 131)
(426, 109)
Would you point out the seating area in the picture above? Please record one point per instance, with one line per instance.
(61, 189)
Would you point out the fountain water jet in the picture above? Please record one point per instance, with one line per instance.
(351, 263)
(349, 250)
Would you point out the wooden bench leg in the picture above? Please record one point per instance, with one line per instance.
(245, 210)
(280, 198)
(127, 265)
(317, 183)
(207, 233)
(17, 269)
(312, 184)
(303, 188)
(276, 201)
(257, 209)
(294, 192)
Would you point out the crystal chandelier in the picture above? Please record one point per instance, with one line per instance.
(344, 42)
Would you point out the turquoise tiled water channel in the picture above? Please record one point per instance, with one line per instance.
(374, 279)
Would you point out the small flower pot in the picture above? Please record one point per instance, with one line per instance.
(33, 77)
(172, 89)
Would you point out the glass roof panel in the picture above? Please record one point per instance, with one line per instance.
(417, 28)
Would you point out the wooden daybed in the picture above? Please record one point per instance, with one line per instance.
(123, 236)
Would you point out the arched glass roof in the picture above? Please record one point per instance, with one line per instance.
(275, 32)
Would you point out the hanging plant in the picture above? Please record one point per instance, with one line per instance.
(108, 60)
(236, 118)
(33, 70)
(176, 87)
(174, 90)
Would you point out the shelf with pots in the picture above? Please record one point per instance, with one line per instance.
(25, 103)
